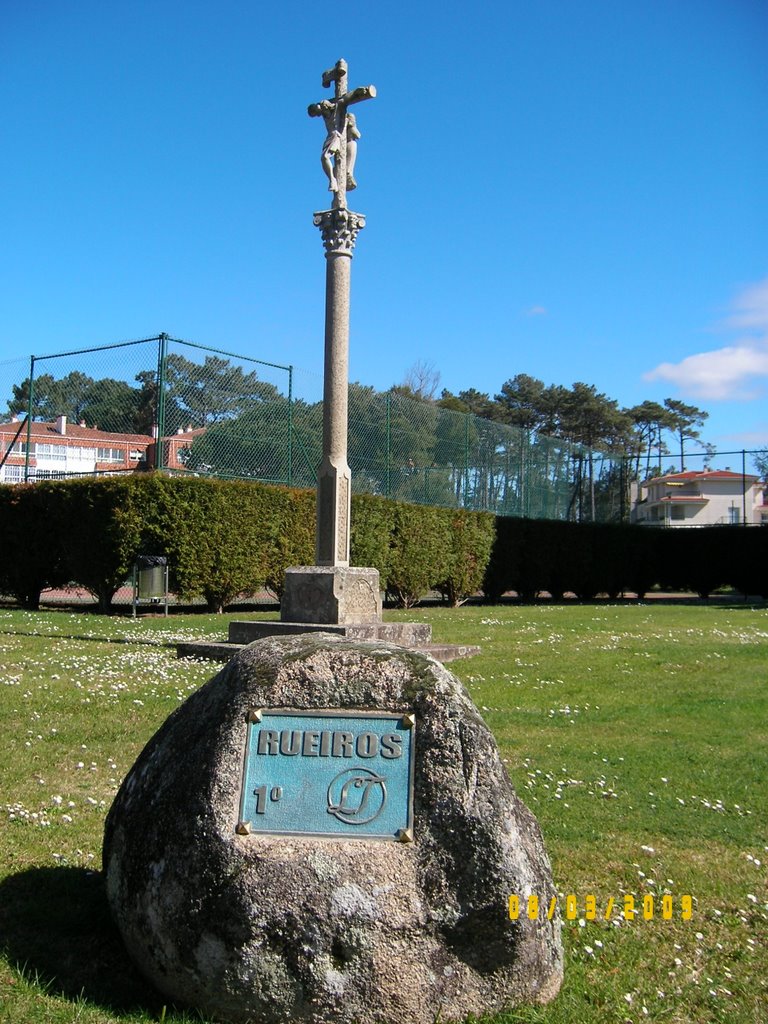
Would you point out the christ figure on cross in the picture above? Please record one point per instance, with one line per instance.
(330, 158)
(340, 147)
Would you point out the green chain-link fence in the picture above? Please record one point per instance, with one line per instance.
(416, 451)
(173, 405)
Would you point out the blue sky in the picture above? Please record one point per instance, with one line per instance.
(573, 190)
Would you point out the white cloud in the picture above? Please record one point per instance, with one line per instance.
(734, 371)
(750, 308)
(757, 438)
(726, 373)
(536, 311)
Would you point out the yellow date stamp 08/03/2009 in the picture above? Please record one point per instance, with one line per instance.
(628, 907)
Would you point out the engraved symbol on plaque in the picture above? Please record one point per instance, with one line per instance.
(357, 796)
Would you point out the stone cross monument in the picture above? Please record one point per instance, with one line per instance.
(331, 591)
(333, 596)
(339, 227)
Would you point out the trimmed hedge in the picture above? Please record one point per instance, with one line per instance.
(214, 536)
(470, 541)
(227, 538)
(531, 556)
(99, 529)
(221, 538)
(31, 553)
(371, 533)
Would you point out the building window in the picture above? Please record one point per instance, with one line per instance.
(78, 454)
(733, 516)
(52, 451)
(110, 455)
(13, 474)
(678, 513)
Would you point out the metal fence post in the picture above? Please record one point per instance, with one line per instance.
(290, 426)
(30, 406)
(522, 491)
(388, 453)
(744, 486)
(162, 355)
(466, 459)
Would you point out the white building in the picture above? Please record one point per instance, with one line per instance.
(711, 497)
(53, 451)
(59, 450)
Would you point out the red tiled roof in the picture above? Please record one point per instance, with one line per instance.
(48, 431)
(194, 432)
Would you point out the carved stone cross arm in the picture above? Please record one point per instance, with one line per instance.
(363, 92)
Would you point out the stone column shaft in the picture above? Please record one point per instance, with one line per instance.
(334, 477)
(339, 229)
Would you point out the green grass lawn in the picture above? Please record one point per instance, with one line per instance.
(636, 734)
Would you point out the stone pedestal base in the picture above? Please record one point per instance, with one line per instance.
(328, 599)
(332, 595)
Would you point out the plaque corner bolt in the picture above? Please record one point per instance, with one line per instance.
(404, 835)
(254, 715)
(408, 721)
(243, 828)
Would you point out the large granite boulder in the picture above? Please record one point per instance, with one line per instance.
(278, 928)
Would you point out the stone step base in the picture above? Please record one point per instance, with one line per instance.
(210, 650)
(224, 650)
(407, 634)
(449, 652)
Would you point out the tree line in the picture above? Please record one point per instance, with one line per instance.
(194, 394)
(399, 446)
(536, 450)
(582, 415)
(217, 392)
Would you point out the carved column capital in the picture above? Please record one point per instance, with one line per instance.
(339, 229)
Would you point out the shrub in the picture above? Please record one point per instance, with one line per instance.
(700, 559)
(99, 527)
(371, 533)
(213, 532)
(290, 537)
(31, 557)
(642, 559)
(750, 561)
(517, 559)
(418, 558)
(470, 542)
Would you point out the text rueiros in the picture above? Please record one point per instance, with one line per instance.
(328, 743)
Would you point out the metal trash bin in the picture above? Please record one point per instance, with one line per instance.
(150, 580)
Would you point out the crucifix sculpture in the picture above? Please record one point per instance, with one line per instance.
(340, 146)
(339, 227)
